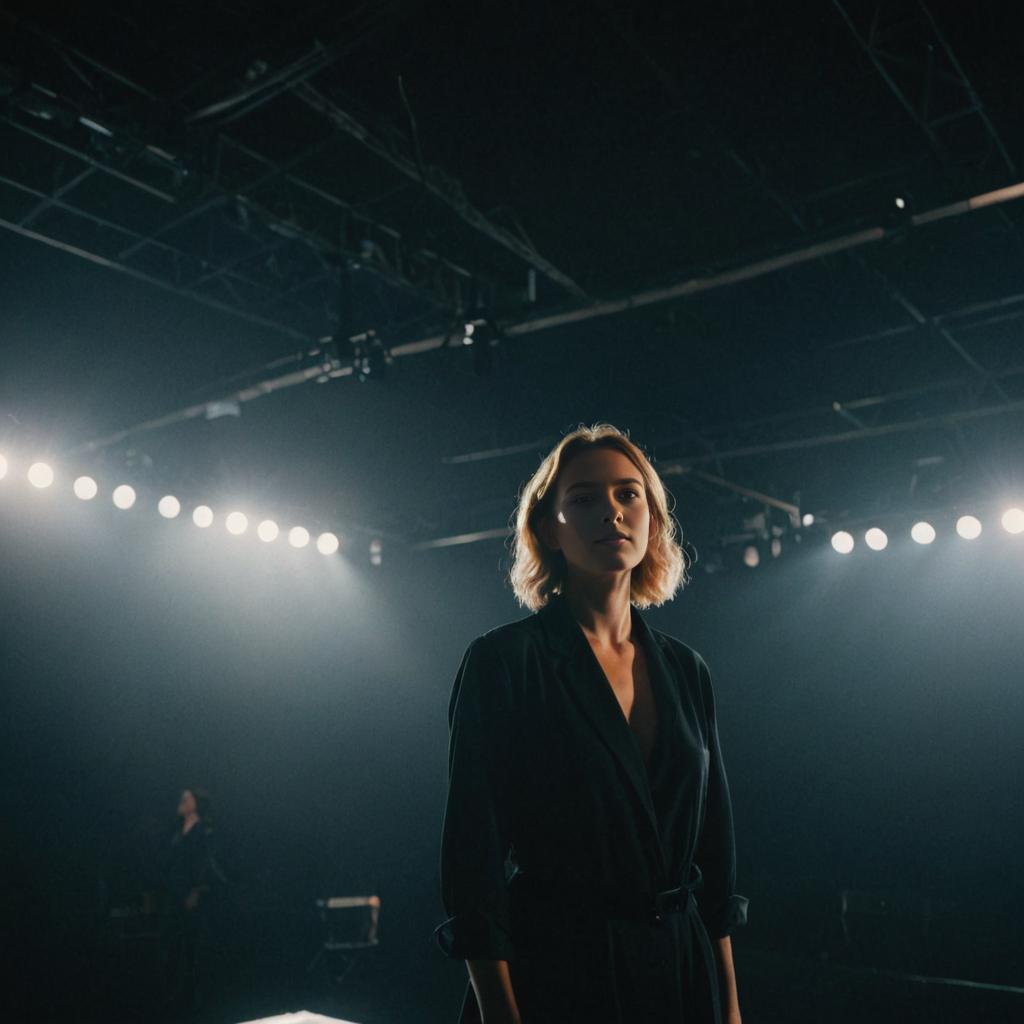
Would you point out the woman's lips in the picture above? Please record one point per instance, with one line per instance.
(614, 541)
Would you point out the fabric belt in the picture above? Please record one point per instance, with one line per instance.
(608, 901)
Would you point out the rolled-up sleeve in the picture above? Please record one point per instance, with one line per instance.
(721, 908)
(475, 838)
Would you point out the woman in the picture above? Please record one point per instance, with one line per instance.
(587, 861)
(193, 877)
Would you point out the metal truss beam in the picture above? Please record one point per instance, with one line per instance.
(138, 275)
(241, 175)
(437, 184)
(930, 72)
(895, 294)
(640, 300)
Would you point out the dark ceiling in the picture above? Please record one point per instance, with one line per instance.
(237, 183)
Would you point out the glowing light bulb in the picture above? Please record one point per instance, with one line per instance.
(124, 497)
(169, 506)
(968, 527)
(298, 536)
(85, 488)
(267, 530)
(327, 543)
(923, 533)
(202, 516)
(1013, 520)
(876, 539)
(842, 542)
(237, 523)
(40, 475)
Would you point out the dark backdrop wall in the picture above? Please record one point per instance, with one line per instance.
(870, 714)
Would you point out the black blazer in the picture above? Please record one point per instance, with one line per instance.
(557, 835)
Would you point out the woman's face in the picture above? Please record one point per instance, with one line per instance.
(600, 493)
(187, 804)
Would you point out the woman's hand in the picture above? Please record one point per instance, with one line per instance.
(493, 987)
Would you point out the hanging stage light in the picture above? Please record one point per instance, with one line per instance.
(376, 552)
(842, 542)
(85, 488)
(968, 527)
(202, 516)
(267, 531)
(876, 539)
(298, 536)
(237, 523)
(124, 497)
(169, 506)
(327, 543)
(922, 532)
(1013, 520)
(40, 475)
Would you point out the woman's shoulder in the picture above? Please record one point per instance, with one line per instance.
(686, 659)
(509, 637)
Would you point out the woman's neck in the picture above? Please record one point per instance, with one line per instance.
(188, 823)
(601, 608)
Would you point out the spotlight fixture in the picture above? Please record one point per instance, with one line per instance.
(124, 497)
(376, 551)
(237, 523)
(968, 527)
(807, 519)
(267, 531)
(842, 542)
(369, 356)
(922, 532)
(298, 536)
(202, 516)
(85, 488)
(1013, 520)
(876, 539)
(169, 506)
(40, 475)
(327, 543)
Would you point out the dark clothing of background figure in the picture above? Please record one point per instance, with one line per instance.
(556, 832)
(188, 933)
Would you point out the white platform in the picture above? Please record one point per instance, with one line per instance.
(301, 1017)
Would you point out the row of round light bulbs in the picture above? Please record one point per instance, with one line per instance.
(968, 527)
(41, 475)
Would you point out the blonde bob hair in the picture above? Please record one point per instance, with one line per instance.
(538, 572)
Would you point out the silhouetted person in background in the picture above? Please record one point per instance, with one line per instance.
(194, 879)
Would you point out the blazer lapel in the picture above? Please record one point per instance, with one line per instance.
(582, 675)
